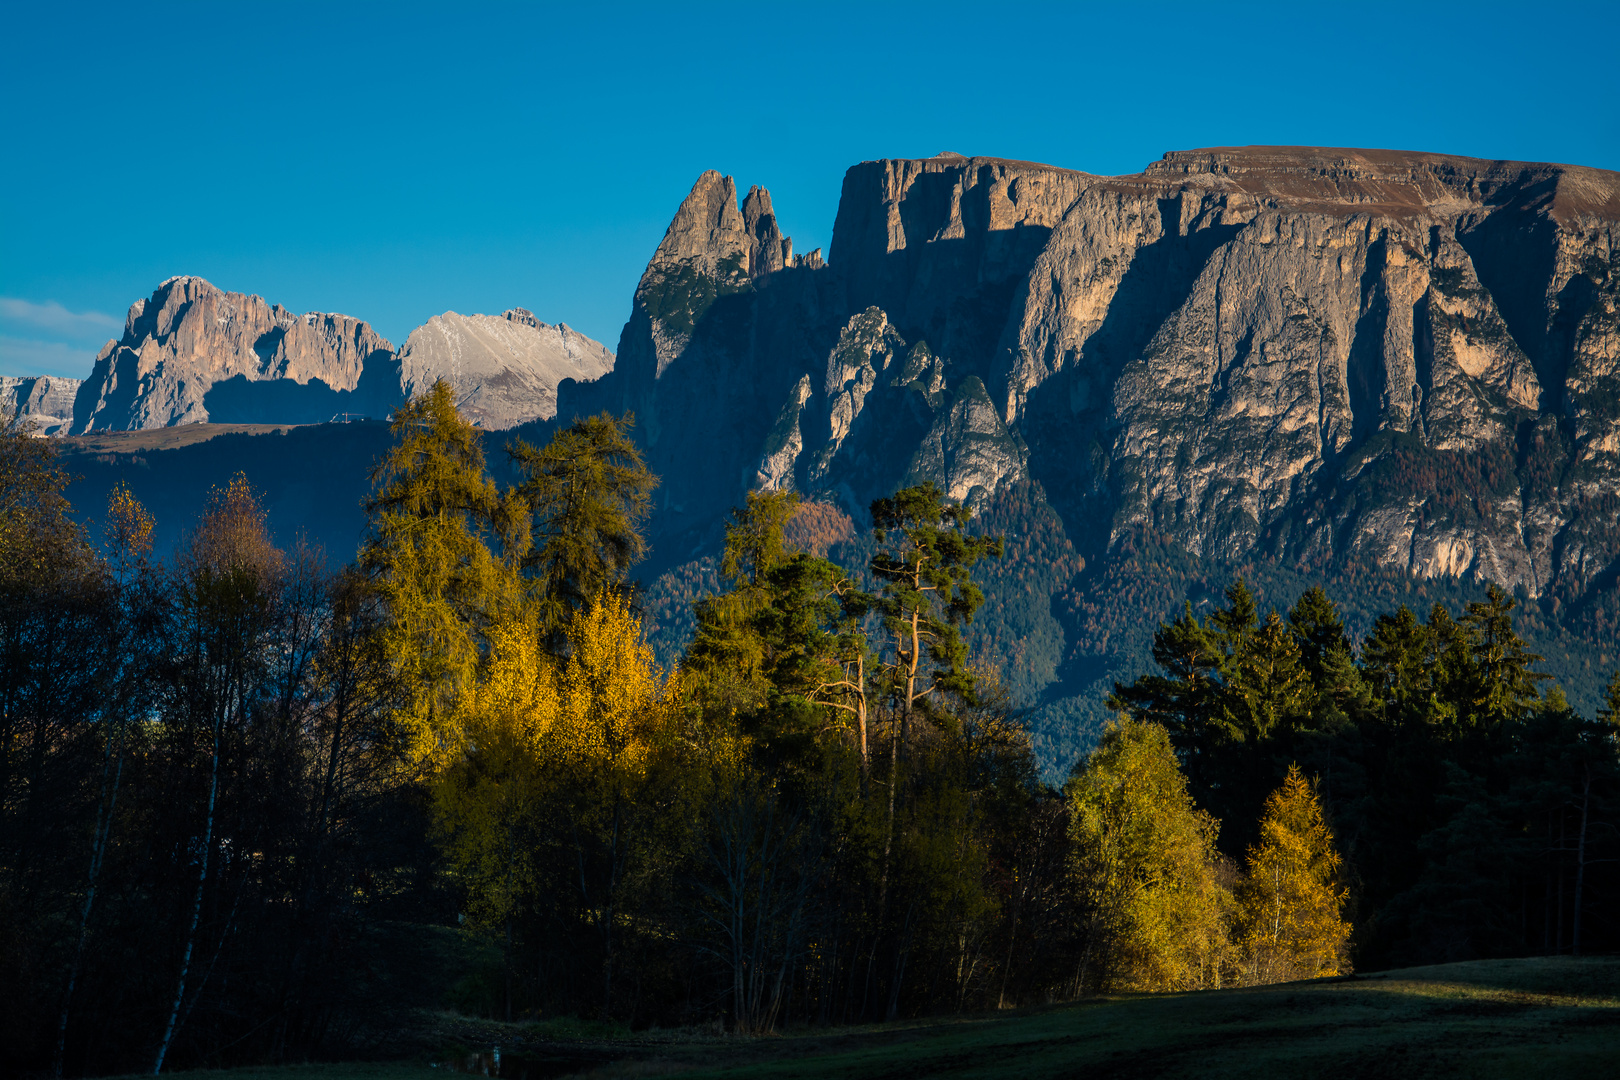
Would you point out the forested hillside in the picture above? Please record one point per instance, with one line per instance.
(236, 784)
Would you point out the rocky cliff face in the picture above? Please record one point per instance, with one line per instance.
(505, 369)
(45, 400)
(1242, 349)
(1324, 359)
(194, 353)
(1264, 344)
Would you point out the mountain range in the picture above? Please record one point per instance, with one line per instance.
(196, 354)
(1395, 372)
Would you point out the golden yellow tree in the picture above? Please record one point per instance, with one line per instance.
(565, 776)
(489, 796)
(1145, 865)
(614, 710)
(1290, 901)
(443, 552)
(485, 794)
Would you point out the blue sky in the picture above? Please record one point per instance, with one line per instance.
(393, 161)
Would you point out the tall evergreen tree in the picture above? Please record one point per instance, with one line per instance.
(924, 565)
(587, 492)
(443, 552)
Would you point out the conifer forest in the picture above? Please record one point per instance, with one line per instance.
(235, 776)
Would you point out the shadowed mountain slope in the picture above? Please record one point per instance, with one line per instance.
(1335, 363)
(1396, 373)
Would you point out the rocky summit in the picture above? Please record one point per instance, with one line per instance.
(194, 353)
(505, 369)
(1325, 359)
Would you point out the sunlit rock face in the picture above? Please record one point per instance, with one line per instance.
(504, 369)
(46, 401)
(1319, 354)
(194, 353)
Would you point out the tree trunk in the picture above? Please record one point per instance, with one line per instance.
(196, 907)
(1560, 865)
(507, 958)
(860, 715)
(1580, 860)
(98, 851)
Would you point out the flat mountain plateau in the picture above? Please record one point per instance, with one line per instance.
(1394, 373)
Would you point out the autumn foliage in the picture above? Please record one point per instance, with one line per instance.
(237, 787)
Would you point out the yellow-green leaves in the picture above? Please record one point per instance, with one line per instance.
(1145, 867)
(1290, 900)
(443, 554)
(616, 710)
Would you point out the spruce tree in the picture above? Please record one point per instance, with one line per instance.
(587, 493)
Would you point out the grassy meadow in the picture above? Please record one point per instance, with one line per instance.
(1554, 1017)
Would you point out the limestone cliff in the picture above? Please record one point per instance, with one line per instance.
(1242, 349)
(1254, 336)
(45, 400)
(193, 353)
(504, 369)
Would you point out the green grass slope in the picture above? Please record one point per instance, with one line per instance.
(1557, 1017)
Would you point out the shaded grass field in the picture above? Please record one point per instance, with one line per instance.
(1503, 1018)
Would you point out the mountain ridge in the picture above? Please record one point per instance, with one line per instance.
(1379, 369)
(1339, 362)
(194, 353)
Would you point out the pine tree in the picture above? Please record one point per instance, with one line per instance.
(727, 656)
(924, 561)
(1290, 901)
(782, 648)
(1185, 699)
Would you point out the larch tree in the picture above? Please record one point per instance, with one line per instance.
(443, 552)
(615, 742)
(1145, 867)
(1290, 901)
(489, 800)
